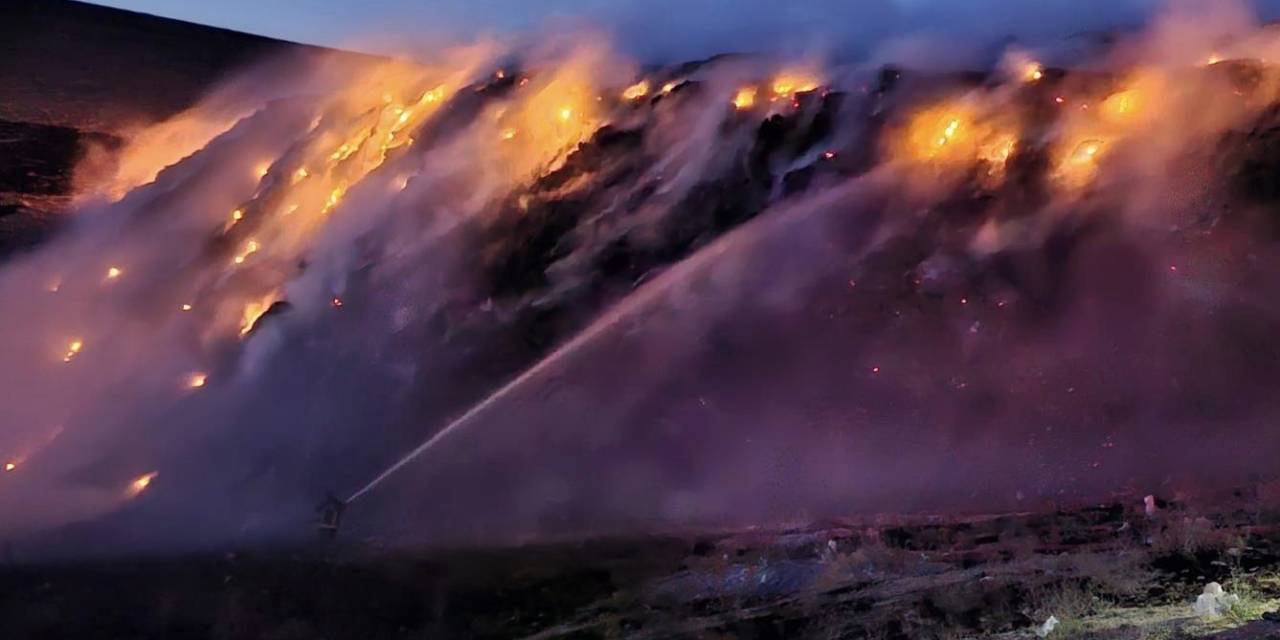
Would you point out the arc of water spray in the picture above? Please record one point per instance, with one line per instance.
(619, 312)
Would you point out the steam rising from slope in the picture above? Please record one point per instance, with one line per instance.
(959, 293)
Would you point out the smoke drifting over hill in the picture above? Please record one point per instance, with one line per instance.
(608, 298)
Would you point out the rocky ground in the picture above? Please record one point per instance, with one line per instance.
(1104, 571)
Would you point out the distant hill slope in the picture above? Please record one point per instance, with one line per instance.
(71, 71)
(90, 67)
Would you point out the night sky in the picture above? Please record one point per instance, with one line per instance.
(661, 28)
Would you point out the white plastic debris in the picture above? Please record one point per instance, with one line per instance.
(1047, 628)
(1214, 602)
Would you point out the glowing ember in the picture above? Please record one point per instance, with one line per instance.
(508, 134)
(1213, 59)
(1033, 72)
(566, 113)
(186, 307)
(113, 273)
(335, 197)
(669, 87)
(344, 152)
(250, 248)
(73, 350)
(140, 484)
(336, 302)
(300, 175)
(636, 91)
(237, 215)
(196, 380)
(745, 98)
(262, 170)
(10, 466)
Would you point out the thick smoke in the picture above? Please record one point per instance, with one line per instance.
(733, 292)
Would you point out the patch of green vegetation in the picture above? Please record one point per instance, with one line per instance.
(1252, 599)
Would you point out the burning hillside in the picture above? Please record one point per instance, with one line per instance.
(545, 291)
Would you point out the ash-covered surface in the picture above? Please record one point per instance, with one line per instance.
(1112, 571)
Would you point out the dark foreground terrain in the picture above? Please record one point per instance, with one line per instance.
(1107, 571)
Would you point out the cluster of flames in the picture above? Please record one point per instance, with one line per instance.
(364, 137)
(985, 128)
(343, 147)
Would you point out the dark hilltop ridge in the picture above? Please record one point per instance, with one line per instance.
(94, 68)
(73, 73)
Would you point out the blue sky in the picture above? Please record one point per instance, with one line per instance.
(657, 28)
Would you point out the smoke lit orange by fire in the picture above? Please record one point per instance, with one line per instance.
(952, 136)
(789, 83)
(1122, 105)
(551, 115)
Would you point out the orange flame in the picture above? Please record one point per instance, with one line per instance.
(140, 484)
(253, 311)
(790, 83)
(636, 91)
(73, 350)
